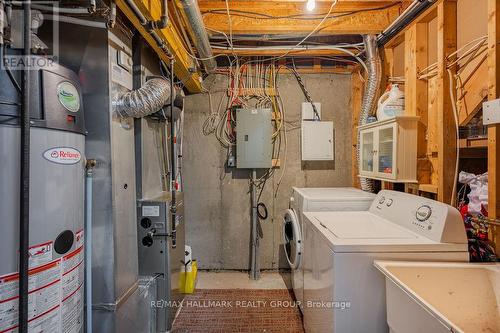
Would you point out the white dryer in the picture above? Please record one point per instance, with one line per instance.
(314, 200)
(343, 292)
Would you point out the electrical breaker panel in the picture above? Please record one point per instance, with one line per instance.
(253, 138)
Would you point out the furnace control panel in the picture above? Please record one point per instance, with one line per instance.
(152, 236)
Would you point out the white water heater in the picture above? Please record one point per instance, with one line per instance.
(56, 274)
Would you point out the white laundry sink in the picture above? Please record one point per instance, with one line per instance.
(442, 297)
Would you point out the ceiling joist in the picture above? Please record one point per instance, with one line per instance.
(289, 16)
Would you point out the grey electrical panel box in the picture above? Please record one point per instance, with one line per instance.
(253, 138)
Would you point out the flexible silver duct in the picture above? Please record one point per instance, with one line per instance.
(370, 94)
(198, 33)
(148, 99)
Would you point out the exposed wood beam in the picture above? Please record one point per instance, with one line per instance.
(183, 63)
(279, 52)
(416, 55)
(447, 138)
(494, 130)
(361, 22)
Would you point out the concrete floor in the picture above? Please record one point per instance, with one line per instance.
(240, 280)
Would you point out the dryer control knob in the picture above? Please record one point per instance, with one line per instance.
(423, 213)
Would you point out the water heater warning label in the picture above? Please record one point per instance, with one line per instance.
(44, 297)
(40, 254)
(62, 155)
(55, 301)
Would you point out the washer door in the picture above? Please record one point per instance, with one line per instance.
(292, 238)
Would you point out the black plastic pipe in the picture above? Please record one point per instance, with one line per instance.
(25, 177)
(147, 24)
(163, 21)
(417, 8)
(173, 175)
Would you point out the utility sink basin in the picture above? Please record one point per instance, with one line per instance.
(442, 297)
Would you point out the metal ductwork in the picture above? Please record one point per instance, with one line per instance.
(198, 33)
(370, 94)
(150, 98)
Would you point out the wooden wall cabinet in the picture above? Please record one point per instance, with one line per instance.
(389, 150)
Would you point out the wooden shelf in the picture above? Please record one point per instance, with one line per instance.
(429, 188)
(474, 143)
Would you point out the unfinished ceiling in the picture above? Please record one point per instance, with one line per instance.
(268, 28)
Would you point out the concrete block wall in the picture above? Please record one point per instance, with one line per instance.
(218, 200)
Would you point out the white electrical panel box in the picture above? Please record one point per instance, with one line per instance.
(254, 131)
(318, 141)
(491, 112)
(308, 112)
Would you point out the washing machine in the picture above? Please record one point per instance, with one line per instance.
(317, 200)
(343, 291)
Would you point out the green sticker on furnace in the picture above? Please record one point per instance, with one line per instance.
(68, 96)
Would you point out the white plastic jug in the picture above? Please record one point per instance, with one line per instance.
(391, 103)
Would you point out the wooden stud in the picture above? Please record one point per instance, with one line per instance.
(447, 138)
(416, 103)
(494, 130)
(387, 65)
(356, 99)
(432, 130)
(416, 55)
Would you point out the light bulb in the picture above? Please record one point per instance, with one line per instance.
(310, 5)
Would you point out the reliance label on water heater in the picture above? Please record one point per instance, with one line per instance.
(62, 155)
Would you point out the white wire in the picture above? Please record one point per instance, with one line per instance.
(456, 117)
(295, 48)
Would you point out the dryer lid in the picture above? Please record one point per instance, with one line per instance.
(334, 194)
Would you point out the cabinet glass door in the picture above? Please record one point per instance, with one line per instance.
(386, 151)
(367, 149)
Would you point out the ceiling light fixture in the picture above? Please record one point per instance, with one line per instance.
(310, 5)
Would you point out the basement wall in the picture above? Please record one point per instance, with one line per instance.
(217, 200)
